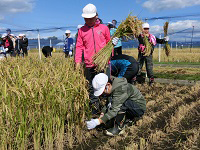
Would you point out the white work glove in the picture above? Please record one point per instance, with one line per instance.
(70, 53)
(92, 123)
(6, 49)
(71, 47)
(166, 38)
(115, 40)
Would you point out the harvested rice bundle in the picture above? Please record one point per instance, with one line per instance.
(166, 47)
(148, 47)
(130, 28)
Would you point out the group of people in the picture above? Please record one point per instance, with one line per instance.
(13, 45)
(124, 102)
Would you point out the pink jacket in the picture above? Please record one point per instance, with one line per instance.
(89, 41)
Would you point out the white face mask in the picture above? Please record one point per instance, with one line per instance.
(106, 88)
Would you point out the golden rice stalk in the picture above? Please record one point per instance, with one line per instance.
(166, 47)
(130, 28)
(148, 47)
(165, 27)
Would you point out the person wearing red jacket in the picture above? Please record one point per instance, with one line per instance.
(92, 37)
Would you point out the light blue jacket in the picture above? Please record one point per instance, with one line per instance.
(112, 31)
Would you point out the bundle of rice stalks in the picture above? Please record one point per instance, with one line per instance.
(130, 28)
(166, 47)
(148, 47)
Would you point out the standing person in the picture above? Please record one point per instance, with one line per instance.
(8, 31)
(7, 44)
(18, 44)
(148, 59)
(124, 66)
(92, 37)
(68, 44)
(125, 102)
(13, 38)
(98, 20)
(24, 45)
(114, 22)
(118, 47)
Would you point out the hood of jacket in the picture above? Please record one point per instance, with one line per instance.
(118, 82)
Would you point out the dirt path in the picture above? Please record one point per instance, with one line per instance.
(173, 81)
(177, 66)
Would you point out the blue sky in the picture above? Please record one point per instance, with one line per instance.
(32, 14)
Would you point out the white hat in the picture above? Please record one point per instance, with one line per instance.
(110, 23)
(79, 26)
(145, 25)
(67, 31)
(21, 34)
(99, 83)
(4, 35)
(89, 11)
(12, 34)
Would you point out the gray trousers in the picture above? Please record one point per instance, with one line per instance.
(148, 62)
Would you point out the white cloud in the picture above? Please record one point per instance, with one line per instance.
(15, 6)
(158, 5)
(178, 26)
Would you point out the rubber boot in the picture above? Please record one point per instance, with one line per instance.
(119, 125)
(151, 81)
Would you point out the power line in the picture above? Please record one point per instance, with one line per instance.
(170, 17)
(46, 29)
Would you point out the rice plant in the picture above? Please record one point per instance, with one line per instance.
(166, 47)
(42, 102)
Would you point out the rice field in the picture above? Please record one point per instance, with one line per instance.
(44, 105)
(179, 55)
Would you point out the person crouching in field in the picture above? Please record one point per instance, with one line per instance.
(125, 102)
(124, 66)
(47, 50)
(141, 49)
(68, 44)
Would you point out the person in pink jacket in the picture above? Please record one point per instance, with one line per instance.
(92, 37)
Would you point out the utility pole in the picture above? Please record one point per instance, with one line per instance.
(191, 39)
(171, 46)
(159, 51)
(50, 43)
(40, 56)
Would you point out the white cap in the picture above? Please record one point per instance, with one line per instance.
(79, 26)
(4, 35)
(99, 83)
(67, 31)
(24, 35)
(145, 25)
(21, 34)
(89, 11)
(110, 23)
(12, 34)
